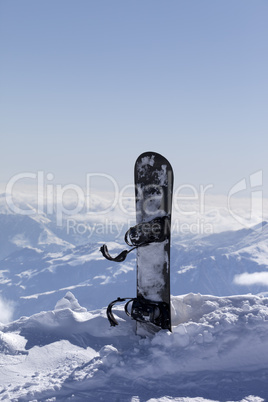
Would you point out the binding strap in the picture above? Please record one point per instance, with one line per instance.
(109, 312)
(148, 232)
(140, 235)
(119, 258)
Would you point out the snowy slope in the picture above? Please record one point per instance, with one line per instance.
(35, 280)
(41, 260)
(39, 265)
(212, 264)
(218, 350)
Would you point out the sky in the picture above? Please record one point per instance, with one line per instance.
(87, 86)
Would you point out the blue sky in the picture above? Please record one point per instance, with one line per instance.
(86, 86)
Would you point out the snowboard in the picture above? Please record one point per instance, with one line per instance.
(150, 237)
(153, 177)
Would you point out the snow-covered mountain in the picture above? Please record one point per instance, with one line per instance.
(41, 260)
(216, 352)
(57, 350)
(214, 264)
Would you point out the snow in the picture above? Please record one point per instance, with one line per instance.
(217, 351)
(185, 268)
(37, 276)
(69, 301)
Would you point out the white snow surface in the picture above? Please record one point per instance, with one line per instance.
(217, 351)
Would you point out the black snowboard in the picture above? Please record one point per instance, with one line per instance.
(154, 187)
(151, 239)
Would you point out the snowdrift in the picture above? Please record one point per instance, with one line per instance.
(218, 350)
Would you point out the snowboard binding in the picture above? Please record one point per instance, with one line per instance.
(141, 235)
(142, 310)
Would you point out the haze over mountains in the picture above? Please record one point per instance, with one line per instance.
(42, 259)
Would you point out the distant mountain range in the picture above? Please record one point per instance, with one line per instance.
(40, 261)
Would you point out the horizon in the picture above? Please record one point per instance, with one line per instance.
(192, 213)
